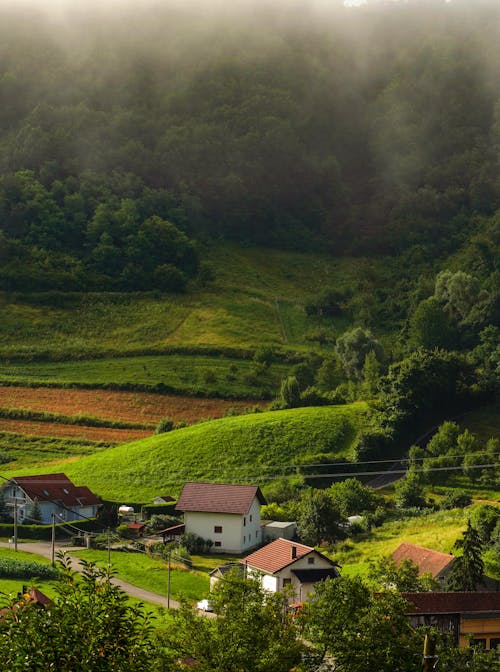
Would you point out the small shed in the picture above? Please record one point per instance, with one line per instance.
(137, 528)
(163, 499)
(276, 529)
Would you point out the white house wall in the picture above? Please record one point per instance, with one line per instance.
(239, 533)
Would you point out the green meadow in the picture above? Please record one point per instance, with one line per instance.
(257, 297)
(22, 451)
(437, 530)
(253, 448)
(201, 375)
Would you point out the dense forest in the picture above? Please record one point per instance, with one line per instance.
(130, 137)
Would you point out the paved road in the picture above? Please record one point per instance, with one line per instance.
(44, 549)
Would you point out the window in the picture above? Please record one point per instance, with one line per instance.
(250, 517)
(218, 529)
(479, 642)
(310, 560)
(218, 544)
(286, 582)
(244, 539)
(494, 643)
(257, 534)
(244, 522)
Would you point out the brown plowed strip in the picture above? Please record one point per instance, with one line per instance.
(115, 405)
(72, 431)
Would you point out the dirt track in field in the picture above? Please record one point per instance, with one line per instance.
(142, 407)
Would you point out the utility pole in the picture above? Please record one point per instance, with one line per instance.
(53, 541)
(15, 523)
(168, 582)
(430, 658)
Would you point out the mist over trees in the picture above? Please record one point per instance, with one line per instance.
(295, 124)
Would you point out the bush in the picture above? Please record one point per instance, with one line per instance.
(165, 425)
(456, 499)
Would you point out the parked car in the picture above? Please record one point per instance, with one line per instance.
(204, 605)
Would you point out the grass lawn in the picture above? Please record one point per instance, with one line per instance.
(150, 574)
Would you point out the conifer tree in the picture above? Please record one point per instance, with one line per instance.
(467, 570)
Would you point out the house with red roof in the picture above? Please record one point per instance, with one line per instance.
(428, 561)
(463, 615)
(228, 515)
(288, 565)
(52, 494)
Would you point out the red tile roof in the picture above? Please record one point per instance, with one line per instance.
(453, 603)
(218, 498)
(56, 487)
(426, 559)
(275, 556)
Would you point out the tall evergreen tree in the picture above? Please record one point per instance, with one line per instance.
(467, 570)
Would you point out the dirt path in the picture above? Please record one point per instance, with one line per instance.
(44, 549)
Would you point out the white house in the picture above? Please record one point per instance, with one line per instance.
(228, 515)
(53, 493)
(285, 564)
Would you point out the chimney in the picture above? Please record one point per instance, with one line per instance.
(294, 552)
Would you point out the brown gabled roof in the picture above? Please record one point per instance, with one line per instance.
(453, 603)
(218, 498)
(56, 487)
(276, 556)
(426, 559)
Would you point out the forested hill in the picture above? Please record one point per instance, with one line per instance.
(129, 132)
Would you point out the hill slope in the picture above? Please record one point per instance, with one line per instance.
(254, 448)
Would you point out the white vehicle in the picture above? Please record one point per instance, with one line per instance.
(204, 605)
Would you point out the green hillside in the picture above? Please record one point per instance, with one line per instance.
(257, 296)
(252, 448)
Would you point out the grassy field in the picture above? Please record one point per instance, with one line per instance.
(255, 448)
(26, 452)
(150, 574)
(254, 293)
(202, 375)
(438, 531)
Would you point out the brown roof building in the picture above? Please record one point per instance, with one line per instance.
(288, 565)
(428, 561)
(224, 514)
(218, 498)
(464, 615)
(54, 494)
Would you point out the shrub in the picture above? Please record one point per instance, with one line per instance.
(22, 569)
(165, 425)
(456, 499)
